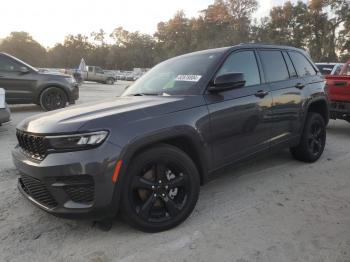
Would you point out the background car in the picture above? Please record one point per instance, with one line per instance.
(25, 84)
(329, 68)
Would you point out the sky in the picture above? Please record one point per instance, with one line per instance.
(50, 21)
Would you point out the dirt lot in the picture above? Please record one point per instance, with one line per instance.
(274, 209)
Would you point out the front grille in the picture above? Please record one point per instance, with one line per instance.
(79, 189)
(37, 190)
(33, 145)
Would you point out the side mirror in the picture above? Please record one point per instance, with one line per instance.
(227, 82)
(23, 70)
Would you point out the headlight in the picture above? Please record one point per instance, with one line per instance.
(76, 141)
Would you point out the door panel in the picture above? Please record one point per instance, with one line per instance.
(287, 110)
(240, 123)
(240, 118)
(286, 89)
(19, 88)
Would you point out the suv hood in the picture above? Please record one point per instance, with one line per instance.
(121, 109)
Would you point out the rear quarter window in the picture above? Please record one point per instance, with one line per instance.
(302, 65)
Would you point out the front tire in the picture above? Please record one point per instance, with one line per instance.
(313, 139)
(161, 189)
(53, 98)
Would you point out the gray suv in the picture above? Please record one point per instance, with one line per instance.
(24, 84)
(147, 152)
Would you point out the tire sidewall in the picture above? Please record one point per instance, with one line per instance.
(110, 81)
(313, 118)
(160, 152)
(46, 92)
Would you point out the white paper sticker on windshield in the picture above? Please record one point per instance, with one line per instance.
(189, 78)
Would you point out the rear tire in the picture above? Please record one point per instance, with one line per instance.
(313, 139)
(161, 189)
(110, 81)
(53, 98)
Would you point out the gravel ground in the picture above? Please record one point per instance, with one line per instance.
(274, 209)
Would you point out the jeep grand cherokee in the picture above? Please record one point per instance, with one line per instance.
(147, 152)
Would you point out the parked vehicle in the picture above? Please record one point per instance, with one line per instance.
(148, 151)
(4, 109)
(97, 74)
(329, 68)
(25, 84)
(339, 93)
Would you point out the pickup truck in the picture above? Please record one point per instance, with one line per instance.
(97, 74)
(339, 93)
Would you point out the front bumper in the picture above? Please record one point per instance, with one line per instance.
(71, 184)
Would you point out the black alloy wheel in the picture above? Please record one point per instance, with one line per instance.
(313, 139)
(53, 98)
(316, 138)
(161, 190)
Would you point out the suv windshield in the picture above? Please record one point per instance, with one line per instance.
(177, 76)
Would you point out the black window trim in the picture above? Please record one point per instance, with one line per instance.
(284, 54)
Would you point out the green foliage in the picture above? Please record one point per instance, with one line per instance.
(23, 46)
(321, 26)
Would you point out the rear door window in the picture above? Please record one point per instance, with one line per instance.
(275, 67)
(302, 65)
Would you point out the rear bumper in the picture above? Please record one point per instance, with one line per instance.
(340, 110)
(70, 185)
(5, 115)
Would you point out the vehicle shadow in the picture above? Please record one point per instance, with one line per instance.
(25, 108)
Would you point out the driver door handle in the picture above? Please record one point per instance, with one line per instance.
(261, 93)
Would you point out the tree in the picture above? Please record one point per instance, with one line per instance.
(175, 36)
(71, 51)
(99, 37)
(23, 46)
(241, 12)
(287, 25)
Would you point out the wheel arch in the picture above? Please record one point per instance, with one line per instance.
(319, 106)
(188, 142)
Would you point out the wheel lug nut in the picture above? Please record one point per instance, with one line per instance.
(163, 195)
(166, 187)
(160, 181)
(155, 195)
(153, 187)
